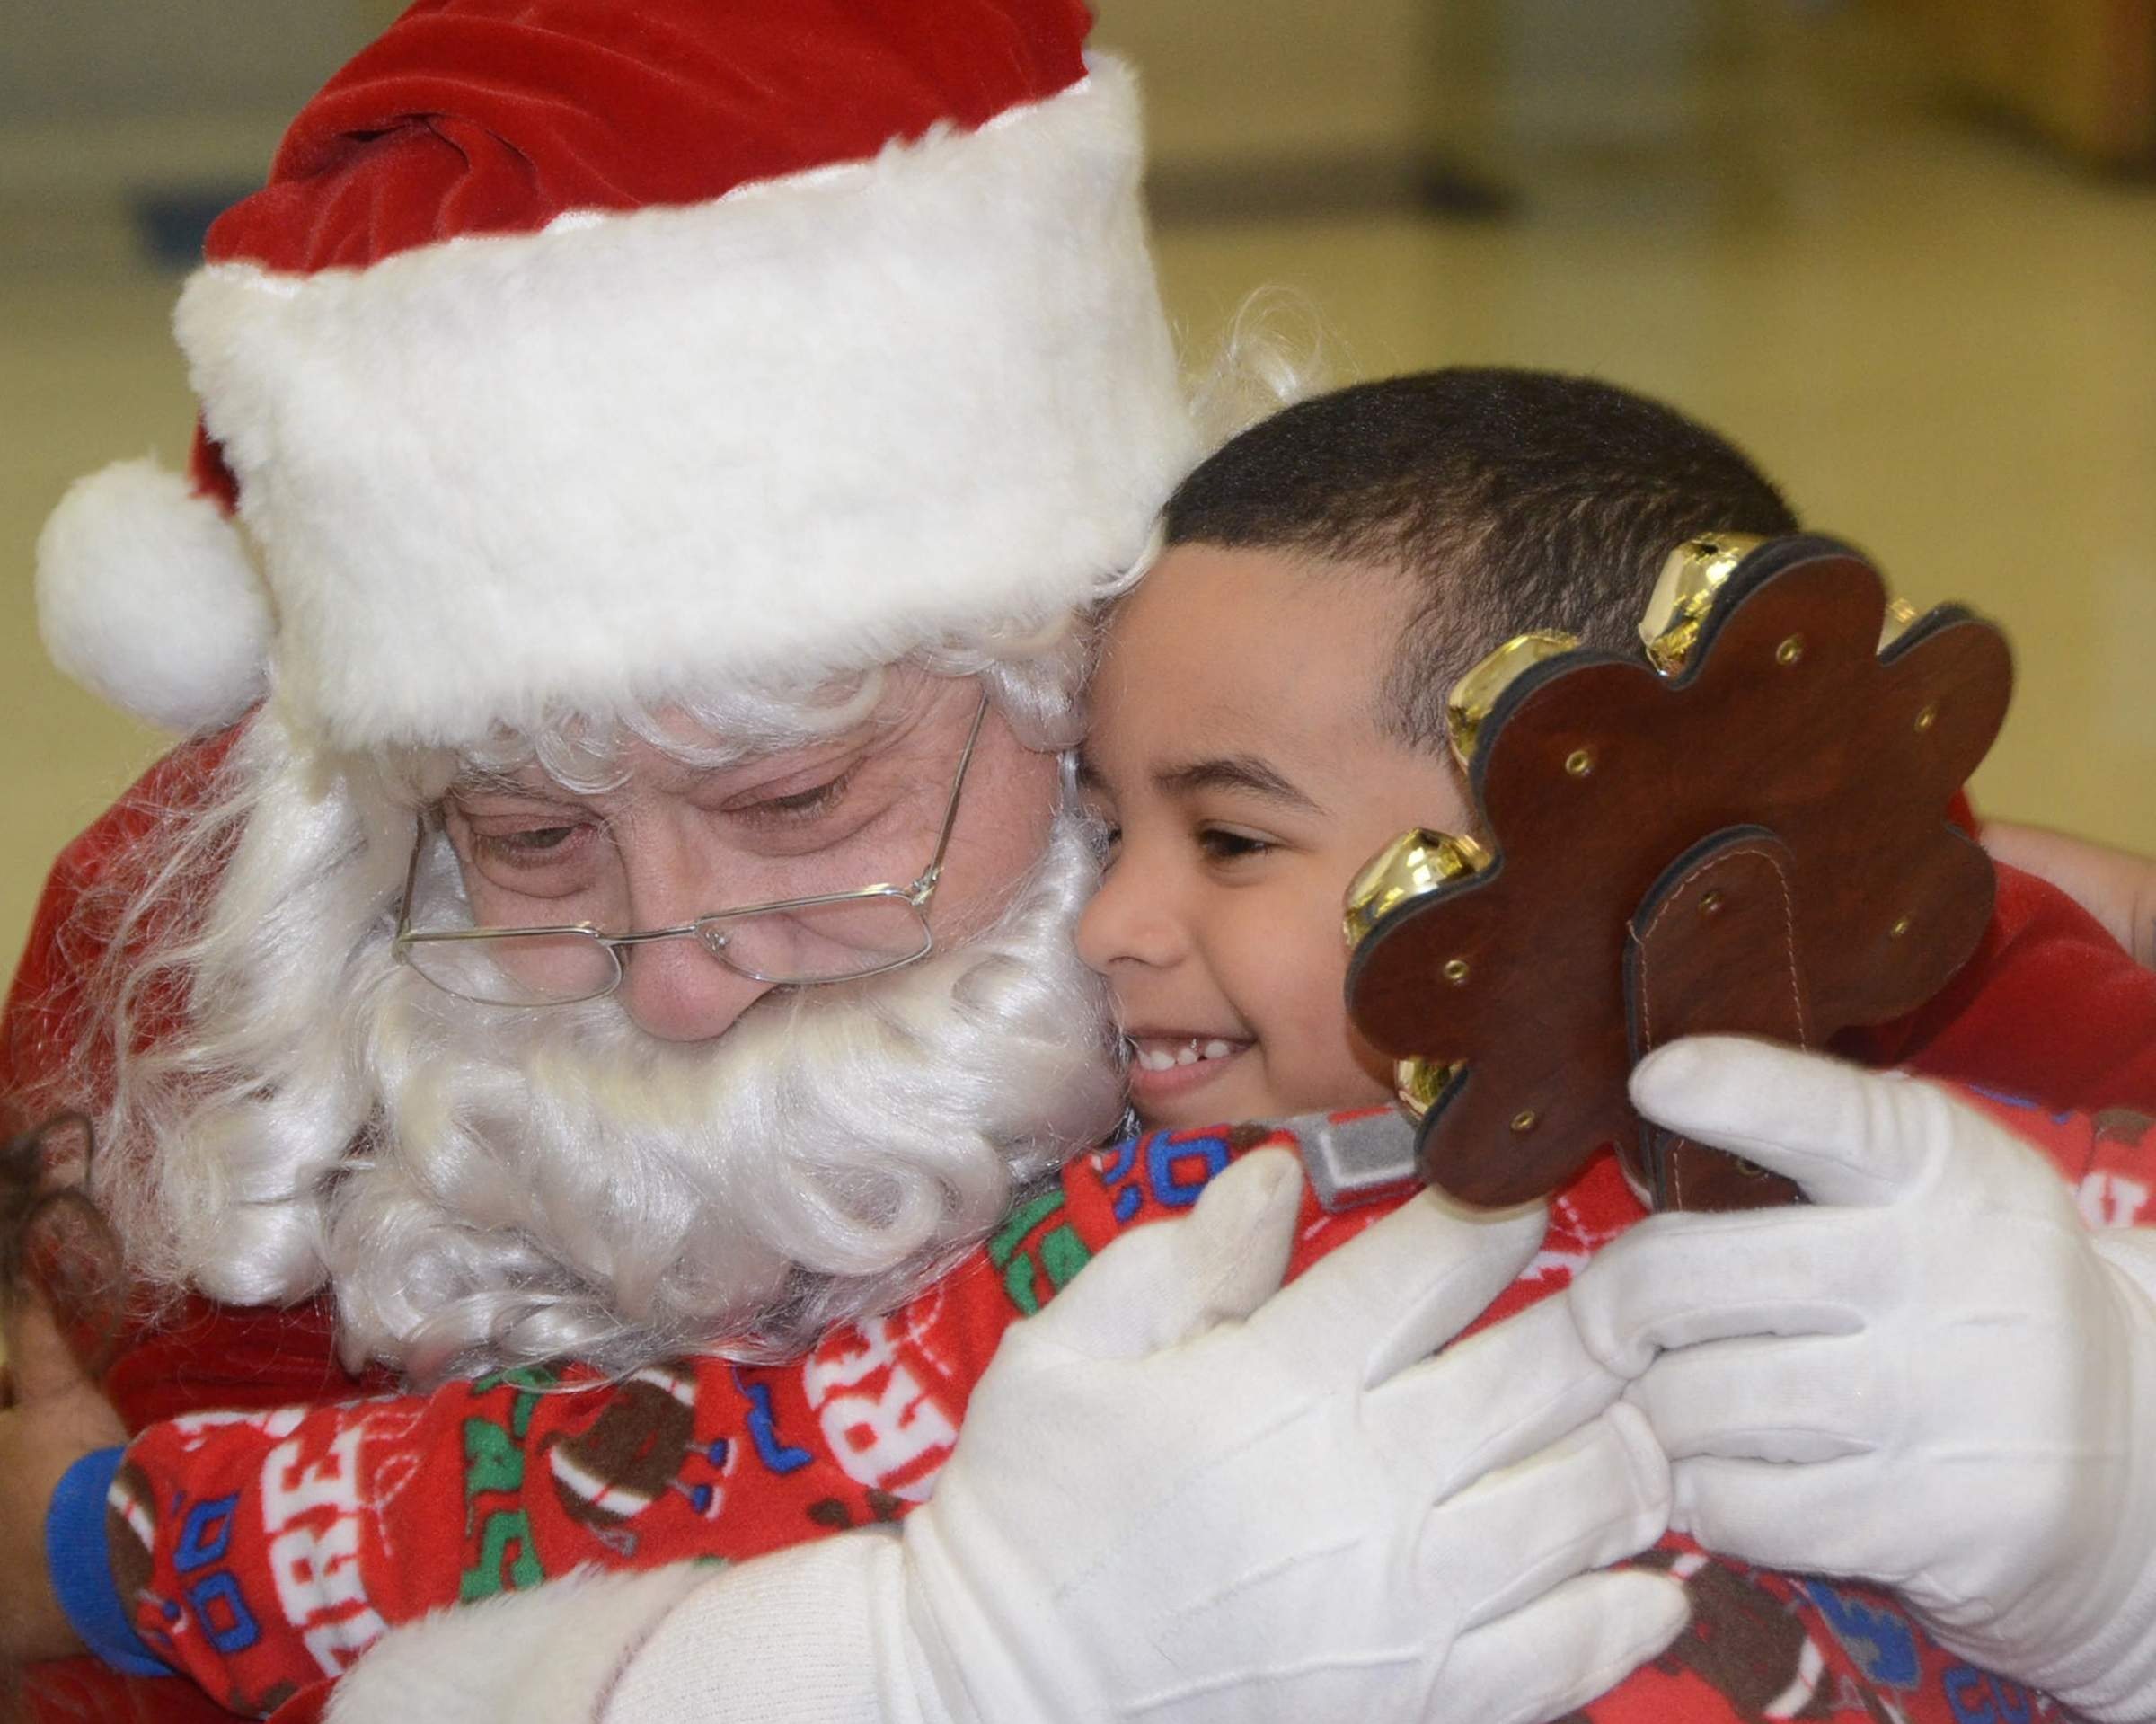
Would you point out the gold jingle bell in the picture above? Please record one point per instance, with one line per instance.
(1900, 615)
(1476, 694)
(1693, 576)
(1416, 1084)
(1417, 862)
(1692, 579)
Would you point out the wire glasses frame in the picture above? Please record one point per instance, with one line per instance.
(901, 910)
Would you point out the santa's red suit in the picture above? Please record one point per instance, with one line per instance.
(486, 1487)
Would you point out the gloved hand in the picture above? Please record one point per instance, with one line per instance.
(1936, 1377)
(1183, 1494)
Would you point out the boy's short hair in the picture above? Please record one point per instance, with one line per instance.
(1509, 500)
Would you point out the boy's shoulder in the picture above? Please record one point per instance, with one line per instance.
(2049, 1010)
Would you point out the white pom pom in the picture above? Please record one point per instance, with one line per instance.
(146, 597)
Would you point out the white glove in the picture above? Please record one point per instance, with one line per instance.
(1182, 1493)
(1937, 1378)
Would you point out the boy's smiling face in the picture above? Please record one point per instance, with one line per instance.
(1236, 757)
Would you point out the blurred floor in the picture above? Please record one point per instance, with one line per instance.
(1940, 336)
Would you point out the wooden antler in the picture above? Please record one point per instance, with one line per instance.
(1753, 840)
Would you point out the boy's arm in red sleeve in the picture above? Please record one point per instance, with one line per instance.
(2050, 1010)
(2108, 1156)
(261, 1552)
(255, 1553)
(2116, 886)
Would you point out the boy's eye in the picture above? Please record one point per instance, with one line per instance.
(1219, 844)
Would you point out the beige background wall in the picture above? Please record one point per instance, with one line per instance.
(82, 58)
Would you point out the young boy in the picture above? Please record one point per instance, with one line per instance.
(1270, 712)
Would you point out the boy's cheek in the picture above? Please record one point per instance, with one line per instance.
(1317, 1063)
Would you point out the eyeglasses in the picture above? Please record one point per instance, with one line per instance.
(829, 937)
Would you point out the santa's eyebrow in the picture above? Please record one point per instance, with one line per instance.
(1243, 773)
(485, 780)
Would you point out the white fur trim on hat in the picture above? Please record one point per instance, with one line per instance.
(146, 597)
(806, 427)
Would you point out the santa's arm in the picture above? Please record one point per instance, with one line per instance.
(2048, 1009)
(797, 1635)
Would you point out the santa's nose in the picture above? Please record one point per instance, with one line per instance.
(677, 991)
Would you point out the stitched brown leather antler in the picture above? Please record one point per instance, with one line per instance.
(1756, 844)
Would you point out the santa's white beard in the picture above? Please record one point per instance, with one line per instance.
(557, 1184)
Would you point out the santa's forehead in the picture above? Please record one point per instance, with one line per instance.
(688, 747)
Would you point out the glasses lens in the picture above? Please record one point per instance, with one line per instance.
(820, 943)
(517, 969)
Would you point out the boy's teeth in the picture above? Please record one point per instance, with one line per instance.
(1160, 1057)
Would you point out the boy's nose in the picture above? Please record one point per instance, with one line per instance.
(1128, 921)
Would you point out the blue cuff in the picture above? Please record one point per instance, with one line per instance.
(79, 1559)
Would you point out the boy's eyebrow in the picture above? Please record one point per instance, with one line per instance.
(1244, 772)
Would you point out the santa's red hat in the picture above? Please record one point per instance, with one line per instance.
(589, 352)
